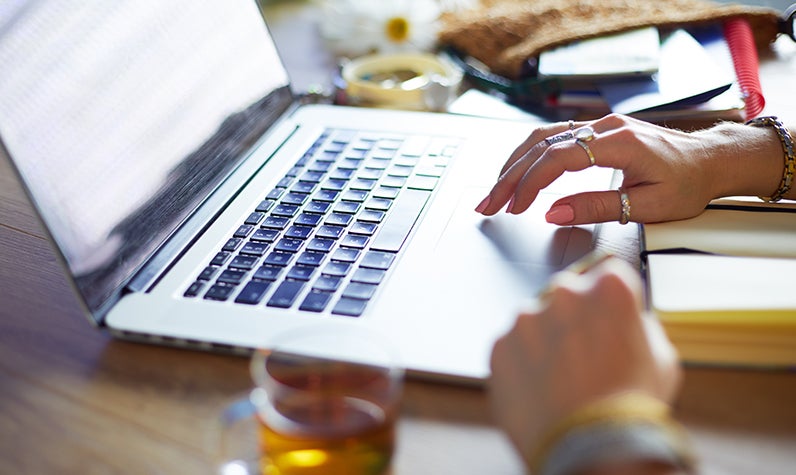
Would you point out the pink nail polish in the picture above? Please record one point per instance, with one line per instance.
(510, 207)
(484, 204)
(561, 214)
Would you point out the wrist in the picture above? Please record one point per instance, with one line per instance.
(743, 160)
(625, 429)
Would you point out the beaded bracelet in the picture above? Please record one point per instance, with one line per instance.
(787, 146)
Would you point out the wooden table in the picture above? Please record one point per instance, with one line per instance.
(73, 400)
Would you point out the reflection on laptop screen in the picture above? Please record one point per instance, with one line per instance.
(120, 118)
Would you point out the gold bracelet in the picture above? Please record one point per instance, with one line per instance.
(621, 410)
(787, 146)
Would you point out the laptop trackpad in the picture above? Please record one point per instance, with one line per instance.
(519, 239)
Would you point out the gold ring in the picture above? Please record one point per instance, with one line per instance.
(624, 202)
(585, 147)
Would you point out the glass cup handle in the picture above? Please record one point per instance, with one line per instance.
(234, 440)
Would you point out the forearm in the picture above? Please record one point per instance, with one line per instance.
(742, 160)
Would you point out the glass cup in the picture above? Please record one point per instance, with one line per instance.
(313, 413)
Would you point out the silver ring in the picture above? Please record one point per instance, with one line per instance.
(624, 201)
(571, 124)
(559, 138)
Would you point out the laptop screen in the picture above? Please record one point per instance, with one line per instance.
(121, 116)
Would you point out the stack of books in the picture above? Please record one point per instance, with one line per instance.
(722, 283)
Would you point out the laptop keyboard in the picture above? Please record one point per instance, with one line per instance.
(326, 236)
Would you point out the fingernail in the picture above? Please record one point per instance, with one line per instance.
(510, 207)
(561, 214)
(483, 205)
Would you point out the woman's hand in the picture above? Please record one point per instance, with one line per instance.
(589, 340)
(667, 174)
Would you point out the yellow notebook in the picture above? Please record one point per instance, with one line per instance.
(724, 283)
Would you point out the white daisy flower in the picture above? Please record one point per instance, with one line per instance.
(355, 27)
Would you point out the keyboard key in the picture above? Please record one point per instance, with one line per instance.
(378, 260)
(284, 182)
(304, 187)
(393, 182)
(342, 174)
(350, 307)
(330, 232)
(355, 241)
(232, 277)
(308, 219)
(385, 192)
(371, 216)
(357, 290)
(379, 204)
(320, 245)
(418, 182)
(318, 207)
(345, 254)
(243, 262)
(309, 258)
(369, 173)
(265, 205)
(327, 283)
(347, 207)
(368, 276)
(315, 301)
(311, 177)
(355, 195)
(362, 184)
(265, 235)
(219, 292)
(207, 273)
(275, 222)
(232, 244)
(333, 184)
(300, 272)
(269, 273)
(252, 292)
(399, 223)
(254, 248)
(288, 245)
(285, 210)
(286, 294)
(255, 218)
(361, 227)
(278, 258)
(194, 289)
(336, 269)
(319, 166)
(298, 232)
(296, 199)
(275, 194)
(326, 195)
(220, 258)
(243, 231)
(339, 219)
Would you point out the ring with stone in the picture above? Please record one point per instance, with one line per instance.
(583, 135)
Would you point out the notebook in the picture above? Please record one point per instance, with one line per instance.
(195, 202)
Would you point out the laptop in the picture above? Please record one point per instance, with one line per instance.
(195, 202)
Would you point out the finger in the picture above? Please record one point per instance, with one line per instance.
(535, 138)
(522, 158)
(609, 148)
(645, 205)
